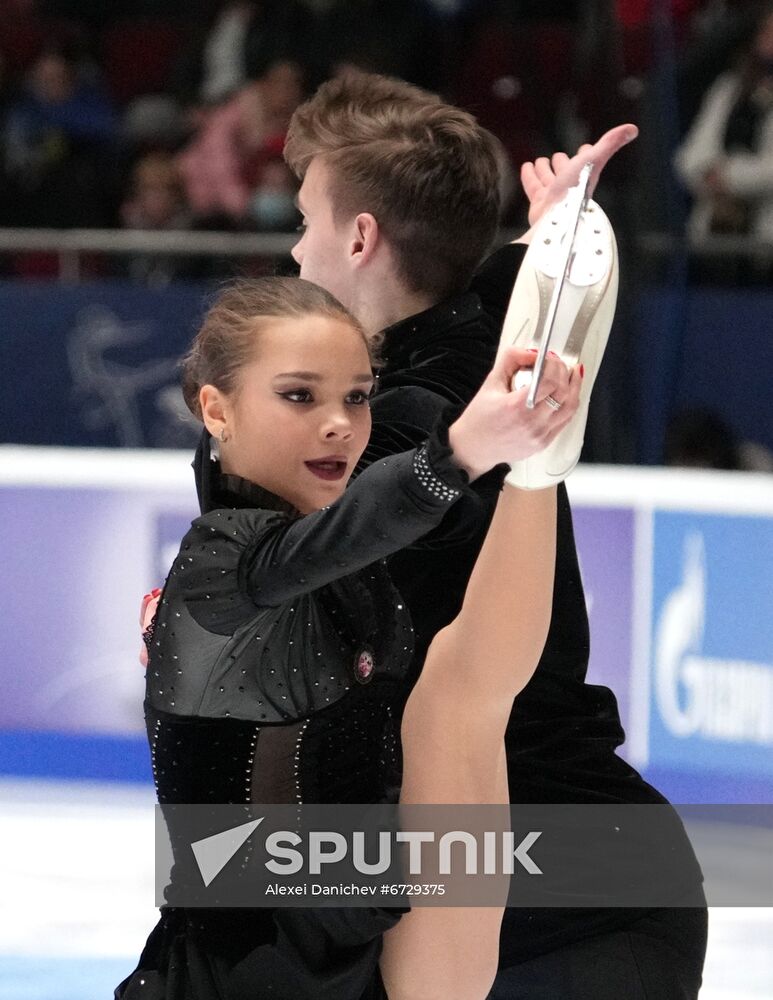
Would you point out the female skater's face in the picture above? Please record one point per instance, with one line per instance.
(299, 419)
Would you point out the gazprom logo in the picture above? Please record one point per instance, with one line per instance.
(716, 699)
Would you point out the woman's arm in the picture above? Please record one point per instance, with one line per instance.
(400, 498)
(391, 505)
(271, 559)
(277, 559)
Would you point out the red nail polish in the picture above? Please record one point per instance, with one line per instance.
(582, 371)
(532, 350)
(552, 354)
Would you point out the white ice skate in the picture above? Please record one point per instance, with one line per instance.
(564, 301)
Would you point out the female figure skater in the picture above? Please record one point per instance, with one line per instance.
(279, 643)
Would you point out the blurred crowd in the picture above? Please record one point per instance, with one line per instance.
(170, 115)
(164, 114)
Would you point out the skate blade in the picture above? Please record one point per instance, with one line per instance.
(564, 330)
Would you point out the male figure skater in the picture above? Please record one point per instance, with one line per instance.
(400, 205)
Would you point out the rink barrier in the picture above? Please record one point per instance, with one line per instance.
(675, 566)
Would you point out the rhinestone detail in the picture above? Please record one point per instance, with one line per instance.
(431, 482)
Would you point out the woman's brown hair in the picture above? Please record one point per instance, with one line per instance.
(226, 341)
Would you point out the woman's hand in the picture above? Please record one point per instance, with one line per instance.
(497, 427)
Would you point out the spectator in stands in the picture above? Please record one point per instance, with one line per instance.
(222, 59)
(232, 43)
(399, 38)
(726, 159)
(272, 206)
(157, 202)
(698, 438)
(58, 135)
(6, 196)
(157, 198)
(217, 166)
(716, 33)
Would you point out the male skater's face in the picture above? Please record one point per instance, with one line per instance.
(323, 249)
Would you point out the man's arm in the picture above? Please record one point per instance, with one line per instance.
(545, 183)
(547, 180)
(411, 401)
(495, 278)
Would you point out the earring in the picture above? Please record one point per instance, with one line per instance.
(222, 436)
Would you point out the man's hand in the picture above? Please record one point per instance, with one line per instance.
(497, 427)
(148, 609)
(546, 181)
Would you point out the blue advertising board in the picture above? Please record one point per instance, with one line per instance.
(96, 365)
(711, 704)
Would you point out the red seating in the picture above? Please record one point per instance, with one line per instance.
(23, 36)
(552, 44)
(513, 78)
(138, 55)
(494, 84)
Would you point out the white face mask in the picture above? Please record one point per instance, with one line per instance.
(273, 210)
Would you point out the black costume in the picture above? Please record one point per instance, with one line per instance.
(563, 732)
(277, 658)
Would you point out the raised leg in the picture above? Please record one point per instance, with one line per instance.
(453, 735)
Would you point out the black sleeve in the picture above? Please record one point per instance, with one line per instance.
(268, 558)
(494, 280)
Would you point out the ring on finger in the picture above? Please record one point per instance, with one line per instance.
(553, 403)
